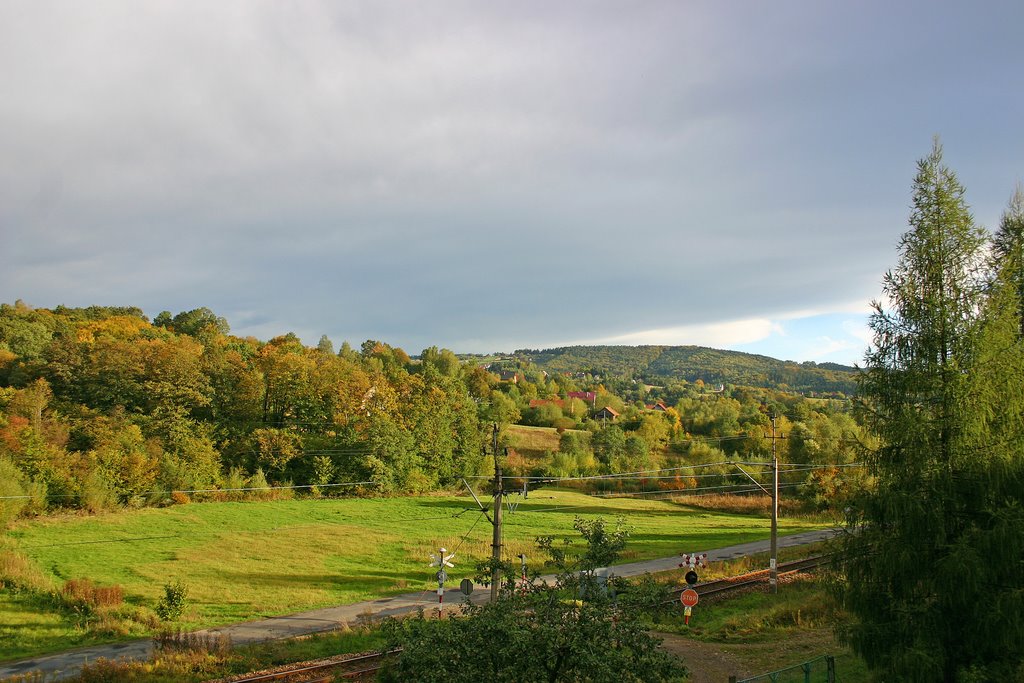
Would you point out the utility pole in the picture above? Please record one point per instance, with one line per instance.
(773, 562)
(496, 542)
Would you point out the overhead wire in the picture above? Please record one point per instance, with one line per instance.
(227, 490)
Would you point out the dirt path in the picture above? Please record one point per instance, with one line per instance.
(707, 662)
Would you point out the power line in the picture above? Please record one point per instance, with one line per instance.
(248, 488)
(638, 474)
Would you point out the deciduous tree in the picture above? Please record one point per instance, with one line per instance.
(537, 632)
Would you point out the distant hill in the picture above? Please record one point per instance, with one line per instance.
(655, 364)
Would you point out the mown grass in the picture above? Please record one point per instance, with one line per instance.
(242, 561)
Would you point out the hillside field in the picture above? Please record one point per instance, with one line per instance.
(247, 560)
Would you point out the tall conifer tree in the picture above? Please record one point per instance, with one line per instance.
(1008, 249)
(933, 572)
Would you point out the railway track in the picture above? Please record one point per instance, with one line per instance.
(733, 583)
(364, 667)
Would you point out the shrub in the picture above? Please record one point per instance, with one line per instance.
(18, 573)
(98, 494)
(184, 641)
(11, 490)
(180, 498)
(173, 603)
(258, 482)
(84, 591)
(233, 483)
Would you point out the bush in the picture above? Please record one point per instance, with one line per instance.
(173, 603)
(18, 573)
(98, 494)
(85, 592)
(180, 498)
(184, 641)
(261, 488)
(11, 504)
(234, 483)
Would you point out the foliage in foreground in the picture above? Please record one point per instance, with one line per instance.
(537, 632)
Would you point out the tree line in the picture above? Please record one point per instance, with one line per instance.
(657, 364)
(101, 407)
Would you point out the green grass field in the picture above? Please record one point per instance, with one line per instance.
(247, 560)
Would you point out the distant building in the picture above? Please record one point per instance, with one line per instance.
(588, 396)
(606, 413)
(508, 376)
(658, 407)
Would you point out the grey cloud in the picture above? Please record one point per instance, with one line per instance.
(429, 173)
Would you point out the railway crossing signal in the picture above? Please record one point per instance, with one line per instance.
(689, 596)
(692, 561)
(441, 562)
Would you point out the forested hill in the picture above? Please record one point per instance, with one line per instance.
(655, 364)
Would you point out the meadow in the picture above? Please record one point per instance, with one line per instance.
(246, 560)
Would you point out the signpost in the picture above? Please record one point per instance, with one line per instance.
(689, 596)
(689, 599)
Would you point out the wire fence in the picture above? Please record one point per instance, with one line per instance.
(818, 670)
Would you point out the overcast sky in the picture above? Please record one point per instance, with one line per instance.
(489, 176)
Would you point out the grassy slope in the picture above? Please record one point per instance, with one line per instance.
(246, 560)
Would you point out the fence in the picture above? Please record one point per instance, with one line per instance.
(818, 670)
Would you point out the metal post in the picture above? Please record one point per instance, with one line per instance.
(440, 585)
(496, 541)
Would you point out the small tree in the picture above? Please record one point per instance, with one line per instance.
(172, 604)
(538, 632)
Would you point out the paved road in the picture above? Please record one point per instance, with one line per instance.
(65, 664)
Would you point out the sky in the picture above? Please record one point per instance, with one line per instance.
(489, 176)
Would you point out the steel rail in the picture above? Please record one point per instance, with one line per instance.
(719, 586)
(306, 669)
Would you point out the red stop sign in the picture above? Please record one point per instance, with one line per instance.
(689, 597)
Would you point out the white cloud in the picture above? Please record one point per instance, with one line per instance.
(721, 335)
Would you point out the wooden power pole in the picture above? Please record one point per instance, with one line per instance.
(496, 542)
(773, 561)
